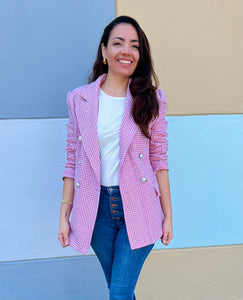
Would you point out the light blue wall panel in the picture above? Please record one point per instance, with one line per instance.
(205, 158)
(47, 48)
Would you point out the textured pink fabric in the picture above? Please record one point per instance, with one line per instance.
(139, 158)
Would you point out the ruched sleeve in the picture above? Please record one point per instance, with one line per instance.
(71, 139)
(158, 146)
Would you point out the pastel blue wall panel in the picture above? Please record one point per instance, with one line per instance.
(47, 48)
(205, 159)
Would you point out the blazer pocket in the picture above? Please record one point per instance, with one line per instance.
(156, 187)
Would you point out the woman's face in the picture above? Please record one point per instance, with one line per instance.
(122, 51)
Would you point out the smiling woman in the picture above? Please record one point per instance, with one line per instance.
(116, 176)
(121, 53)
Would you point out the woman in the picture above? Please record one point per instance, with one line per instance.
(116, 175)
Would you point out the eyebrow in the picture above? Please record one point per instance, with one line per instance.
(122, 39)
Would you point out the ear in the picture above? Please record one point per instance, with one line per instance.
(103, 50)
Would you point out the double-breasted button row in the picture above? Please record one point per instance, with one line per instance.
(141, 155)
(80, 138)
(77, 184)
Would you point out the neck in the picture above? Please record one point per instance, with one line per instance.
(115, 86)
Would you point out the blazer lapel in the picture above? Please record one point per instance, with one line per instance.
(128, 127)
(87, 106)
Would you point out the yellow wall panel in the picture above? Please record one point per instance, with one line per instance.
(197, 47)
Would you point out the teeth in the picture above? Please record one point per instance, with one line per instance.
(125, 61)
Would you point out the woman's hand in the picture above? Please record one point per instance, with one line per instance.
(64, 228)
(167, 231)
(65, 210)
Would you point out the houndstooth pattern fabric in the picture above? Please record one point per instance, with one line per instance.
(139, 159)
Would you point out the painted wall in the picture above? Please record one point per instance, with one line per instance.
(69, 278)
(204, 157)
(197, 48)
(48, 50)
(201, 148)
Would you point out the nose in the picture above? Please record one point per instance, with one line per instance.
(126, 49)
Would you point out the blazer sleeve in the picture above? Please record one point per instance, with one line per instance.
(158, 145)
(71, 143)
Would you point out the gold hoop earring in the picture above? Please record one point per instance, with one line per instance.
(104, 61)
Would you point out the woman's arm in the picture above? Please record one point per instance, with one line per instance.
(68, 175)
(164, 187)
(65, 210)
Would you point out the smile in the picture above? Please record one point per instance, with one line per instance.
(125, 61)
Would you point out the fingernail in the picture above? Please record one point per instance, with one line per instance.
(66, 243)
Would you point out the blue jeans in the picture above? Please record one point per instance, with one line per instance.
(121, 264)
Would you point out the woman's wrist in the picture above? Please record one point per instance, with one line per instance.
(65, 212)
(67, 202)
(168, 216)
(65, 217)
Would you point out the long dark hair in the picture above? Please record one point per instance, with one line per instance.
(144, 80)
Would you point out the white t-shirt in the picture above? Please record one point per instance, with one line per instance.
(111, 110)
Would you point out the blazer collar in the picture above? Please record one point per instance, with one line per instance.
(90, 92)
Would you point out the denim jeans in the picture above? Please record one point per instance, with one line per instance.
(121, 264)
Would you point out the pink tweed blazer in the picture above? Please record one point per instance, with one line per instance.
(140, 158)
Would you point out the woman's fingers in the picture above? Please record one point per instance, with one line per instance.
(66, 241)
(166, 238)
(167, 231)
(64, 228)
(63, 239)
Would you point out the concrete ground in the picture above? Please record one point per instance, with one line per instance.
(206, 273)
